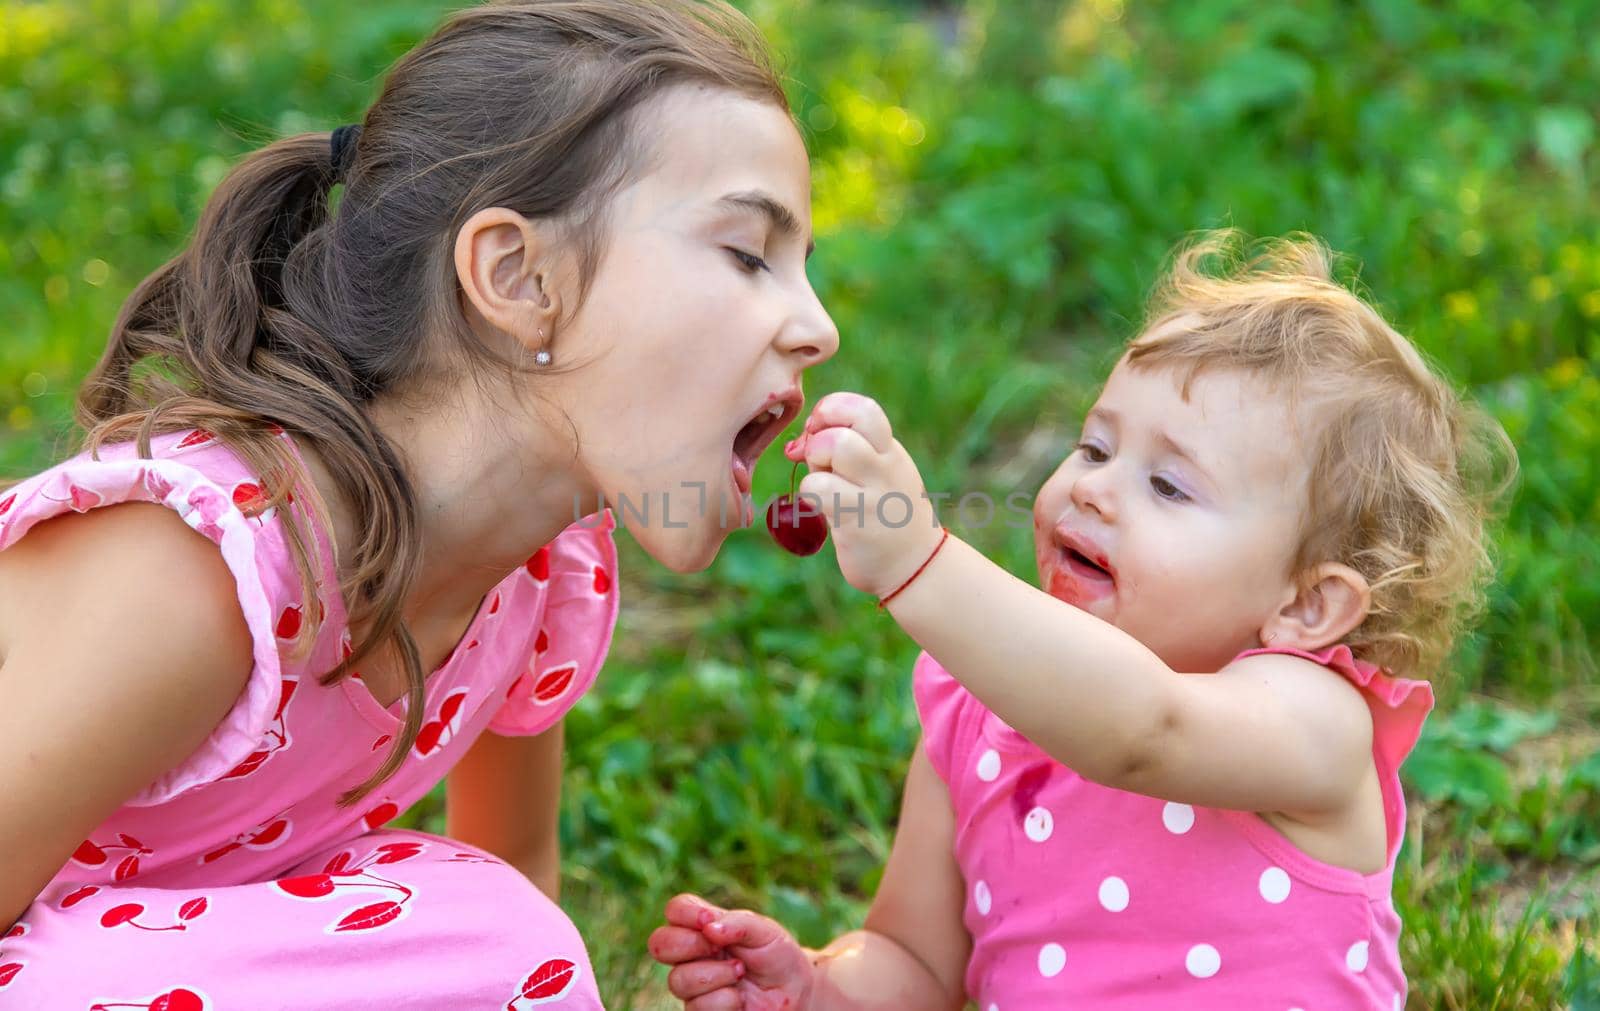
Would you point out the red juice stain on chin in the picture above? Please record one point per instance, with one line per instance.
(1027, 789)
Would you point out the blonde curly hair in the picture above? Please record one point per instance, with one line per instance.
(1405, 473)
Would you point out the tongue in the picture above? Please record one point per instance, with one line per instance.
(741, 474)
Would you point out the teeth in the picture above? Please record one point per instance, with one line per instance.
(776, 410)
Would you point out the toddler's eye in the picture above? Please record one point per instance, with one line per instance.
(749, 262)
(1167, 490)
(1092, 453)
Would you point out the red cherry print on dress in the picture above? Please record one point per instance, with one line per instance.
(249, 497)
(494, 605)
(602, 581)
(127, 868)
(116, 916)
(177, 999)
(550, 982)
(397, 852)
(542, 643)
(539, 565)
(437, 733)
(78, 896)
(289, 623)
(370, 917)
(380, 814)
(17, 930)
(5, 503)
(195, 438)
(308, 886)
(89, 854)
(554, 684)
(8, 972)
(380, 742)
(339, 863)
(193, 909)
(83, 499)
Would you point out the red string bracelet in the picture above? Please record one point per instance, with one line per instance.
(884, 602)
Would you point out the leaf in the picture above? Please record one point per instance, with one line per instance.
(550, 980)
(370, 917)
(192, 909)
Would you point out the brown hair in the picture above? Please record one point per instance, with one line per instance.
(1405, 473)
(286, 312)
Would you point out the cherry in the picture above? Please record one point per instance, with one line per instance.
(307, 886)
(796, 524)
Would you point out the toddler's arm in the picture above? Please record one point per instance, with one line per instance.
(1267, 733)
(122, 646)
(910, 956)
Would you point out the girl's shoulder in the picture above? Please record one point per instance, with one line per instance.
(1399, 706)
(207, 488)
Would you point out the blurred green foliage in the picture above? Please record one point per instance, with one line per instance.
(996, 185)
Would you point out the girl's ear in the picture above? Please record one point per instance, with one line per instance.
(500, 259)
(1325, 608)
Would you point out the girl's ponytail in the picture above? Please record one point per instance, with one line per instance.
(232, 334)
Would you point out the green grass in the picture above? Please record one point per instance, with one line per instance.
(996, 184)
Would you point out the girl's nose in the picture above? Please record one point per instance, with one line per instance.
(810, 333)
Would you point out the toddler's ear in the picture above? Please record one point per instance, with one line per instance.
(1326, 607)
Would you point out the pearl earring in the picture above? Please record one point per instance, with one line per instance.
(541, 357)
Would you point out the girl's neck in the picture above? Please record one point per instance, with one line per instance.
(492, 483)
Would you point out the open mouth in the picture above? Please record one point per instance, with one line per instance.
(1082, 565)
(759, 432)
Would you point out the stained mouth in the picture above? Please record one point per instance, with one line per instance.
(1081, 560)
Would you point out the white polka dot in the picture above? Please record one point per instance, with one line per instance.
(989, 765)
(1203, 961)
(1178, 818)
(1052, 959)
(1114, 894)
(981, 897)
(1039, 824)
(1274, 884)
(1356, 957)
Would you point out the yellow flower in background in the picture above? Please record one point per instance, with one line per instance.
(1590, 304)
(1461, 305)
(1566, 372)
(1541, 288)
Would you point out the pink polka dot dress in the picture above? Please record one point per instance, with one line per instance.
(1082, 896)
(235, 880)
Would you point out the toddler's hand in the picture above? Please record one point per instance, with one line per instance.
(725, 960)
(883, 523)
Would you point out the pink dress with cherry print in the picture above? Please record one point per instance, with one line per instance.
(1078, 895)
(235, 880)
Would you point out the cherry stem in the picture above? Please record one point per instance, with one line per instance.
(793, 471)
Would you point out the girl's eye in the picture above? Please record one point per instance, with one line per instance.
(749, 262)
(1092, 453)
(1167, 490)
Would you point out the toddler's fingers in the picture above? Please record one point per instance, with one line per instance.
(726, 999)
(671, 944)
(760, 942)
(691, 911)
(696, 979)
(852, 410)
(828, 491)
(844, 451)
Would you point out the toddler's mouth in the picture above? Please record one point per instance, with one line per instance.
(1080, 571)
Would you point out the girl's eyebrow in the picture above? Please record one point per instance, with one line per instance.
(1178, 449)
(780, 217)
